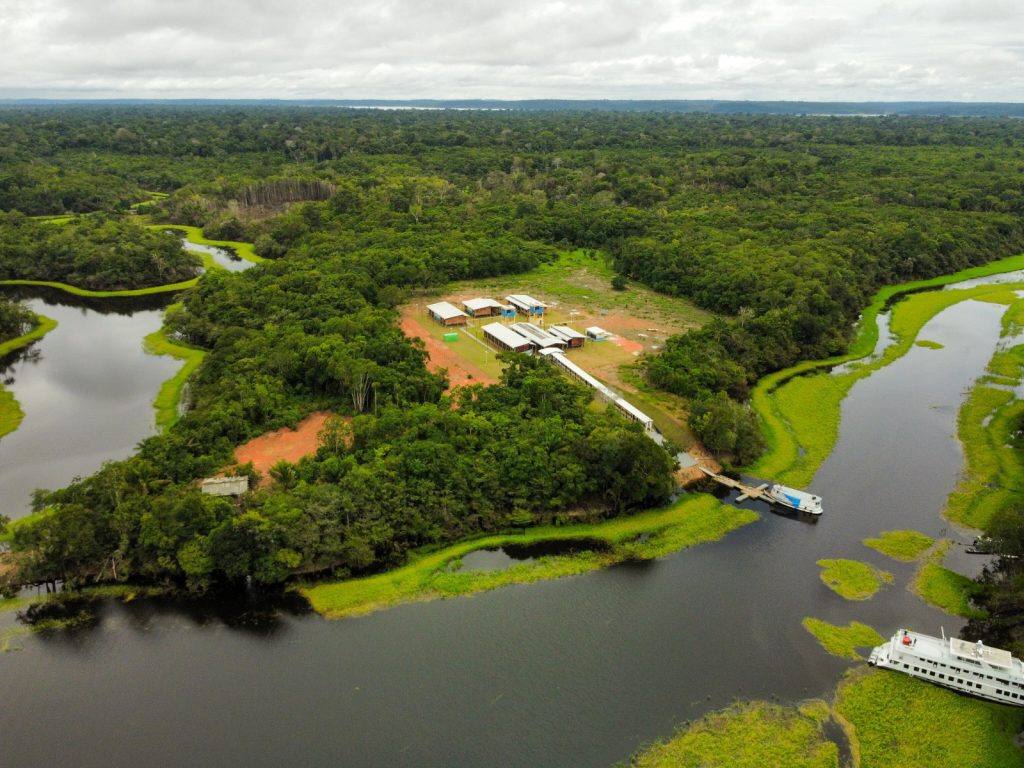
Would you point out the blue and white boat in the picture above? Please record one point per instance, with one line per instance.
(801, 501)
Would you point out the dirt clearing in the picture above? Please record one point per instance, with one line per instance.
(288, 444)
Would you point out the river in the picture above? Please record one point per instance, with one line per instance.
(86, 389)
(579, 671)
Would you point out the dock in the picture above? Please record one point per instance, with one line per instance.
(746, 491)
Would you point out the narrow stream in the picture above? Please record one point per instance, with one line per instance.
(579, 671)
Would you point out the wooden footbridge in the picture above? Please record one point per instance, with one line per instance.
(746, 491)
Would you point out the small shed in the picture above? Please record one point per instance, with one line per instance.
(225, 486)
(598, 334)
(505, 338)
(571, 337)
(482, 307)
(447, 313)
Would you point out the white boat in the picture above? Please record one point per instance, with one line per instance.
(974, 668)
(801, 501)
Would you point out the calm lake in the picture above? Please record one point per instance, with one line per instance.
(580, 671)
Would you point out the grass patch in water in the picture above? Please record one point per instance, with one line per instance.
(690, 520)
(748, 735)
(928, 344)
(168, 398)
(170, 287)
(800, 413)
(10, 409)
(901, 545)
(896, 721)
(944, 588)
(843, 641)
(853, 579)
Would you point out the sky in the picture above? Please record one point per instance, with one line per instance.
(835, 50)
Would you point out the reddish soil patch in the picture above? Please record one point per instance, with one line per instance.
(633, 347)
(288, 444)
(460, 373)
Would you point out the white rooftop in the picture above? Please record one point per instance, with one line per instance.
(597, 332)
(521, 299)
(994, 656)
(445, 310)
(475, 304)
(566, 332)
(505, 335)
(537, 335)
(640, 416)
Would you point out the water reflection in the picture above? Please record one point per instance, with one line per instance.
(86, 389)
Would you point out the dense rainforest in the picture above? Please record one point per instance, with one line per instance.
(98, 252)
(782, 226)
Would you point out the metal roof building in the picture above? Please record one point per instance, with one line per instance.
(571, 337)
(482, 307)
(505, 338)
(597, 333)
(447, 313)
(526, 303)
(540, 338)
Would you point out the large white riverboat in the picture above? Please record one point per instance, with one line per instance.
(989, 673)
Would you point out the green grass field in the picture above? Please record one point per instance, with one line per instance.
(843, 641)
(690, 520)
(944, 588)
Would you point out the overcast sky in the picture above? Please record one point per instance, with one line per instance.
(510, 49)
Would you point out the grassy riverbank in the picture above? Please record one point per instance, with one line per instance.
(800, 407)
(748, 735)
(895, 721)
(10, 411)
(195, 235)
(690, 520)
(169, 396)
(169, 288)
(993, 473)
(946, 589)
(890, 721)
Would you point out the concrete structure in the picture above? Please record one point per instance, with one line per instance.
(482, 307)
(571, 337)
(505, 338)
(446, 313)
(225, 486)
(541, 339)
(526, 304)
(600, 334)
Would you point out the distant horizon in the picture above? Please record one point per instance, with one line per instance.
(867, 108)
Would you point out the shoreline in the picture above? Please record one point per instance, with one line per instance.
(783, 459)
(11, 414)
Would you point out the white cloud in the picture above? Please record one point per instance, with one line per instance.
(749, 49)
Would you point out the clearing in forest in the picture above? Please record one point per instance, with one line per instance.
(577, 288)
(288, 444)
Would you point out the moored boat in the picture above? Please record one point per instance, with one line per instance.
(801, 501)
(974, 668)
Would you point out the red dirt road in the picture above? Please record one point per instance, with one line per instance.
(288, 444)
(460, 373)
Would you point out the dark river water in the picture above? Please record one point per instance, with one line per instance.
(580, 671)
(86, 389)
